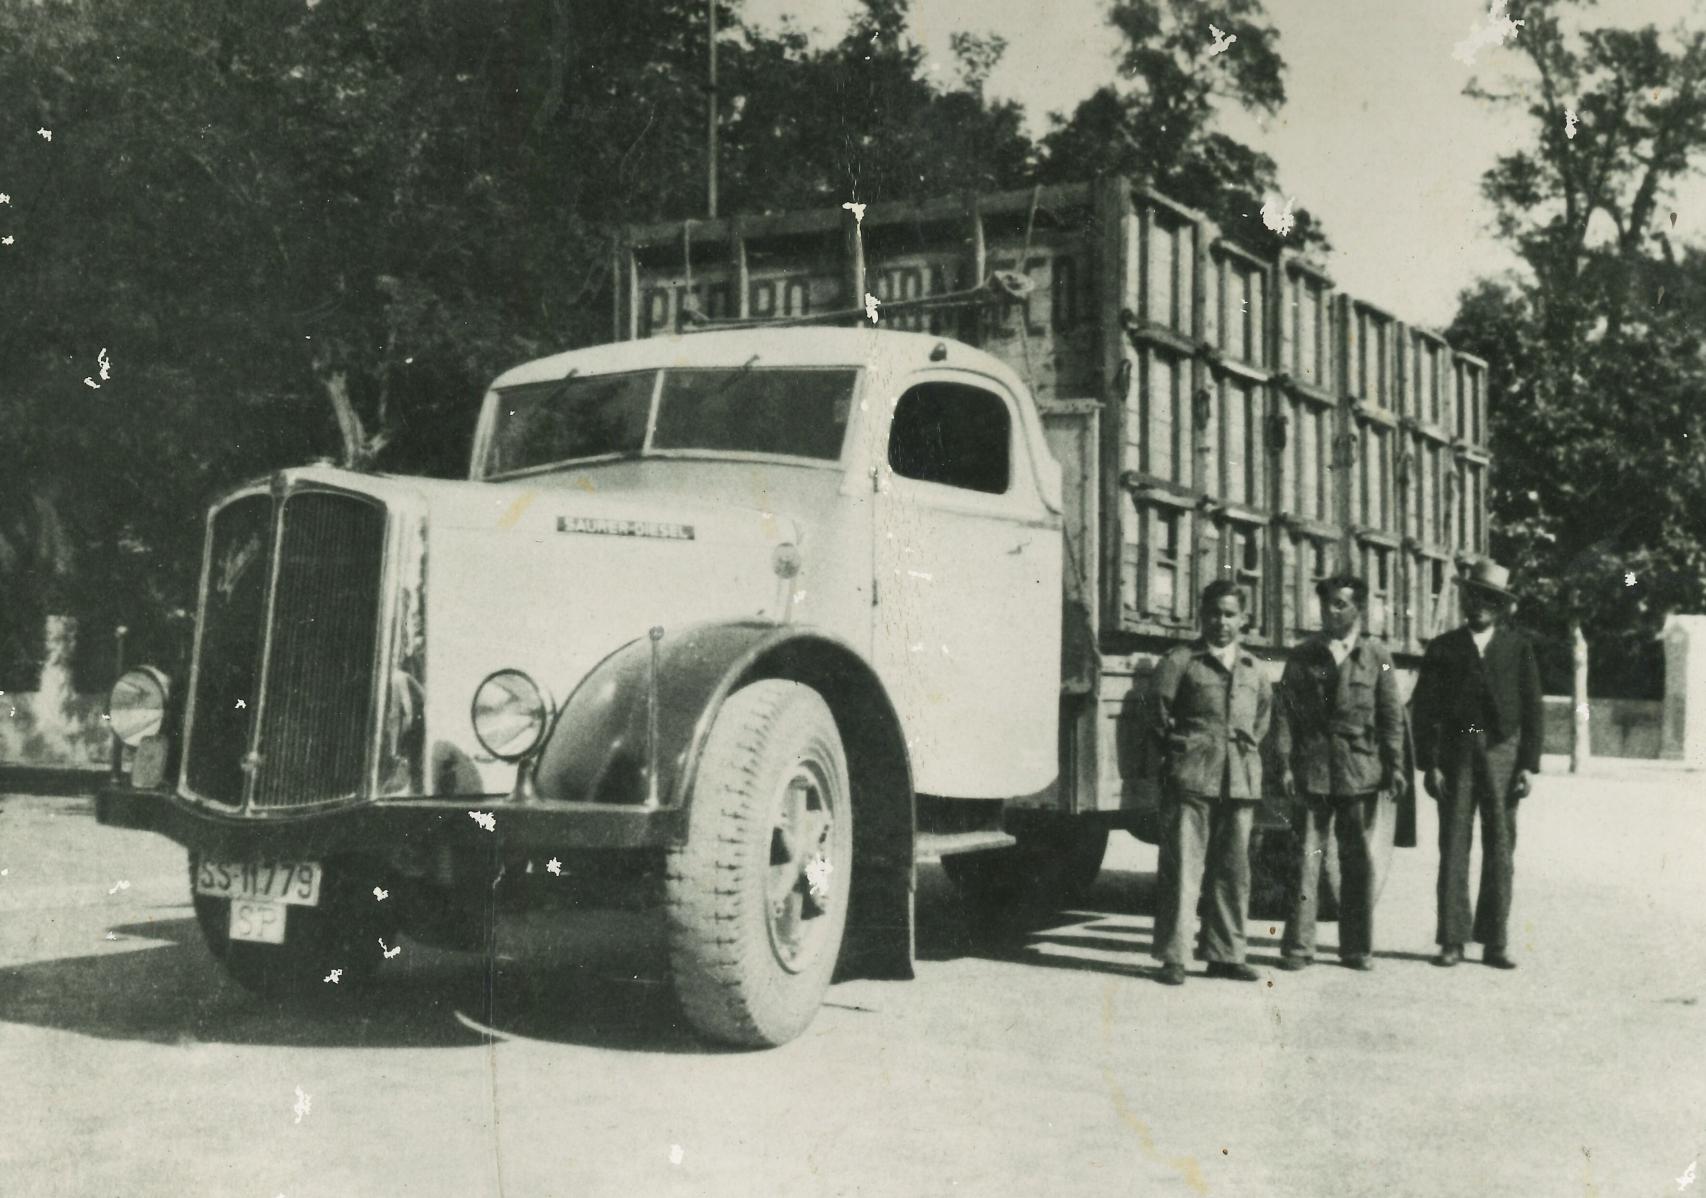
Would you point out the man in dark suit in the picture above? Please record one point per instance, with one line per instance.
(1339, 740)
(1477, 719)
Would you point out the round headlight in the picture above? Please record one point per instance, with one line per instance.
(511, 714)
(137, 706)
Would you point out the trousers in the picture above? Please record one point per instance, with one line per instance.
(1198, 832)
(1478, 777)
(1351, 820)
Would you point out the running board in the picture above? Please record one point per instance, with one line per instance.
(933, 846)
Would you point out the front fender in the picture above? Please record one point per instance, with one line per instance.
(632, 730)
(632, 733)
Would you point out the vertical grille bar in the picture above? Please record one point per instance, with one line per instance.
(229, 656)
(316, 736)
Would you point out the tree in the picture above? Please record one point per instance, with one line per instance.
(318, 230)
(1160, 125)
(1599, 433)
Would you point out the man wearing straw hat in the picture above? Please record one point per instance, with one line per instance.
(1477, 725)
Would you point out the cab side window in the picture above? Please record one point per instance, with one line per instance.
(953, 434)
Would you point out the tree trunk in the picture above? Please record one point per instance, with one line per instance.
(1581, 747)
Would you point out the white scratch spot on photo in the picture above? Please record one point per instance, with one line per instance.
(485, 819)
(333, 976)
(380, 895)
(818, 870)
(872, 303)
(121, 884)
(1278, 218)
(1222, 41)
(554, 867)
(675, 1154)
(1496, 30)
(303, 1104)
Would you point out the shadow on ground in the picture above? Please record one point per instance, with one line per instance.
(165, 988)
(589, 978)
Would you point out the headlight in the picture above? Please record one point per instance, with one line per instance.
(511, 714)
(137, 706)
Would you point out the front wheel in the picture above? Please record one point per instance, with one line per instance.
(757, 896)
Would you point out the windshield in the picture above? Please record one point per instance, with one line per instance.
(792, 412)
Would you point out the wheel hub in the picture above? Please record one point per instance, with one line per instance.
(801, 886)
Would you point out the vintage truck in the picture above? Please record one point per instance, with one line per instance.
(854, 547)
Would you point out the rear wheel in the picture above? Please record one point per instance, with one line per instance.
(1272, 854)
(343, 933)
(757, 896)
(1053, 864)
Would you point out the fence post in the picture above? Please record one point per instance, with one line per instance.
(1581, 747)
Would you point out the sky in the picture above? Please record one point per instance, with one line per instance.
(1376, 137)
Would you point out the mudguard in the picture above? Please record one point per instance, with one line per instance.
(632, 731)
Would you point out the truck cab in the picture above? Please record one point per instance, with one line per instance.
(719, 605)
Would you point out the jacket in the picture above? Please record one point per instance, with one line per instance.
(1348, 742)
(1452, 667)
(1208, 723)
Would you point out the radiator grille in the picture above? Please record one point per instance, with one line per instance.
(315, 728)
(314, 691)
(229, 660)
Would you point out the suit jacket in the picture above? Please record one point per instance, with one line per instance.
(1452, 667)
(1347, 741)
(1209, 722)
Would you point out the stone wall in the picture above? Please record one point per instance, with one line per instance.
(55, 726)
(1616, 727)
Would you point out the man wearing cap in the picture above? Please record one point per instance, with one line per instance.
(1339, 741)
(1209, 710)
(1477, 722)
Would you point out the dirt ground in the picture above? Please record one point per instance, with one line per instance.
(1048, 1064)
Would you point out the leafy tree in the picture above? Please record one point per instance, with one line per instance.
(1599, 435)
(318, 230)
(1159, 124)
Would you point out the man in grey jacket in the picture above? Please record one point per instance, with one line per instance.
(1209, 710)
(1339, 739)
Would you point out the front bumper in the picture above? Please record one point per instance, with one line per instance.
(530, 824)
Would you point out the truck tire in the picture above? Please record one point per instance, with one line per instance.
(343, 933)
(756, 897)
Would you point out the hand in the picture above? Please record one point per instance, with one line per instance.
(1522, 784)
(1434, 782)
(1287, 783)
(1395, 783)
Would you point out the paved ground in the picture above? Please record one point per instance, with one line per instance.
(129, 1066)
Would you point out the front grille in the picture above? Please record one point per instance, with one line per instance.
(320, 671)
(311, 683)
(228, 661)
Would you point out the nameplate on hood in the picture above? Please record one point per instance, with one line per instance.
(601, 526)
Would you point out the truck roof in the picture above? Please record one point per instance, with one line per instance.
(771, 346)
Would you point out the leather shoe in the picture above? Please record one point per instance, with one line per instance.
(1449, 954)
(1497, 959)
(1232, 971)
(1171, 975)
(1293, 964)
(1361, 963)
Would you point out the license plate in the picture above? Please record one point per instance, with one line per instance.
(258, 920)
(291, 883)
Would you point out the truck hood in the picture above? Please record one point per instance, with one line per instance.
(551, 580)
